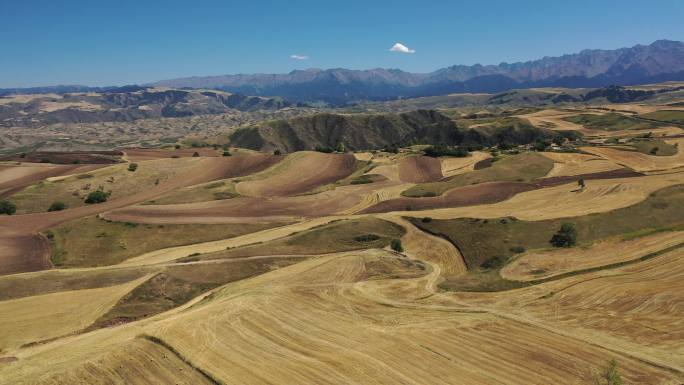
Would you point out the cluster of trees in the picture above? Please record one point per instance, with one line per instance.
(442, 150)
(98, 196)
(326, 149)
(565, 237)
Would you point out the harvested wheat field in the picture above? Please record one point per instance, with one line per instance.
(456, 166)
(298, 173)
(578, 164)
(641, 162)
(547, 263)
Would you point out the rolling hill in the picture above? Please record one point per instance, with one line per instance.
(374, 131)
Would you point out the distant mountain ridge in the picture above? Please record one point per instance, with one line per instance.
(125, 104)
(660, 61)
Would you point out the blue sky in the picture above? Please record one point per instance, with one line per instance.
(124, 42)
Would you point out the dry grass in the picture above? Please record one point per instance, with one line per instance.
(46, 316)
(96, 242)
(117, 179)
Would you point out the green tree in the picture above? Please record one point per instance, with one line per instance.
(97, 197)
(132, 167)
(7, 207)
(341, 148)
(396, 245)
(610, 375)
(565, 237)
(57, 206)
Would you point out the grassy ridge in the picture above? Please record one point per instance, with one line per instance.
(334, 237)
(611, 122)
(92, 241)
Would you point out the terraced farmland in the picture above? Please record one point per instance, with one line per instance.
(377, 267)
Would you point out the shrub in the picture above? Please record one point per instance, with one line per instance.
(654, 151)
(581, 183)
(367, 238)
(195, 154)
(494, 262)
(177, 146)
(610, 375)
(517, 249)
(226, 153)
(396, 245)
(76, 161)
(132, 167)
(363, 179)
(565, 237)
(426, 220)
(391, 149)
(277, 152)
(7, 207)
(57, 206)
(97, 197)
(324, 149)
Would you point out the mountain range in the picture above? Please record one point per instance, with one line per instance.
(662, 60)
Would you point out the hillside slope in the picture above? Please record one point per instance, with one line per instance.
(374, 131)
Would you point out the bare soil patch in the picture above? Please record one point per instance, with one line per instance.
(420, 169)
(71, 157)
(482, 193)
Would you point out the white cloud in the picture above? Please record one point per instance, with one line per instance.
(398, 47)
(299, 57)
